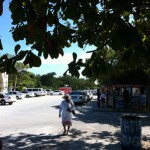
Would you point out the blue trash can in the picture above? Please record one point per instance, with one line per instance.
(130, 132)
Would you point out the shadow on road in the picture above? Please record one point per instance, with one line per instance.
(61, 142)
(80, 137)
(90, 113)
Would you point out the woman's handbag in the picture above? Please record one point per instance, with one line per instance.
(73, 112)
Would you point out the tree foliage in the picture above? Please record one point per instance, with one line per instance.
(50, 25)
(21, 74)
(48, 80)
(76, 83)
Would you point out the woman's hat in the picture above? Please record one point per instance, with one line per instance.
(66, 96)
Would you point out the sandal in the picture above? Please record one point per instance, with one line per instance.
(64, 132)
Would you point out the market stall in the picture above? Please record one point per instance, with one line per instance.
(137, 84)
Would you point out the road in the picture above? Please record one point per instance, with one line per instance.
(33, 124)
(30, 114)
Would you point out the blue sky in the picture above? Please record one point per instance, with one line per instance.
(59, 66)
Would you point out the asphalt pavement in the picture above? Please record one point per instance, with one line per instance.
(93, 129)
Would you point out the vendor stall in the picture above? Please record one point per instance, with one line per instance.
(139, 100)
(136, 83)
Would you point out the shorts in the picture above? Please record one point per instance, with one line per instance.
(103, 99)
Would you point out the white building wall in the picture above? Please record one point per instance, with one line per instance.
(5, 83)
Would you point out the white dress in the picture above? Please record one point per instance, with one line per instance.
(65, 114)
(102, 96)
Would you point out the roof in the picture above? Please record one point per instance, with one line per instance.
(130, 78)
(130, 85)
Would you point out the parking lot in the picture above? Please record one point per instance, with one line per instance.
(33, 123)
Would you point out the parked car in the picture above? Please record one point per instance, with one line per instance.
(5, 98)
(36, 91)
(45, 92)
(79, 96)
(27, 94)
(17, 94)
(49, 92)
(89, 94)
(94, 92)
(57, 92)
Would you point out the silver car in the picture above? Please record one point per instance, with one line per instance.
(28, 94)
(89, 94)
(79, 97)
(17, 94)
(57, 92)
(5, 98)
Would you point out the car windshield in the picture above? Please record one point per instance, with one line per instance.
(76, 93)
(6, 94)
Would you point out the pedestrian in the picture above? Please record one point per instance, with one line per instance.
(107, 97)
(65, 112)
(98, 97)
(136, 93)
(126, 98)
(103, 97)
(138, 96)
(1, 144)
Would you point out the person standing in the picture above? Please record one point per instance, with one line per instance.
(103, 97)
(107, 98)
(1, 144)
(126, 98)
(98, 97)
(138, 96)
(65, 112)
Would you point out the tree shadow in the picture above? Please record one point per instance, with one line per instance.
(80, 138)
(56, 107)
(76, 105)
(90, 113)
(77, 140)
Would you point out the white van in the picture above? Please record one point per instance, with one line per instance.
(36, 91)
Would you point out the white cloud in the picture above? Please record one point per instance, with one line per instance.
(63, 60)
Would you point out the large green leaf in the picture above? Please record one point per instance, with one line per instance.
(17, 47)
(21, 55)
(35, 61)
(32, 60)
(1, 46)
(73, 69)
(1, 7)
(119, 5)
(74, 56)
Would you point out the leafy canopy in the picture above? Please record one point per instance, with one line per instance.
(119, 29)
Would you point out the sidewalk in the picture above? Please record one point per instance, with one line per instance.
(97, 129)
(93, 129)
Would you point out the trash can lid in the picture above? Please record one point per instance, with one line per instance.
(130, 117)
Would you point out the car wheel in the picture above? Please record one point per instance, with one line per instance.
(60, 93)
(27, 96)
(3, 102)
(10, 103)
(17, 97)
(35, 94)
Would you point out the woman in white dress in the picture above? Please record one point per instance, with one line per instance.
(103, 97)
(65, 112)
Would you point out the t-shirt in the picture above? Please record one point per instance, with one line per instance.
(103, 96)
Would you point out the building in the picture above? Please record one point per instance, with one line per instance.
(4, 82)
